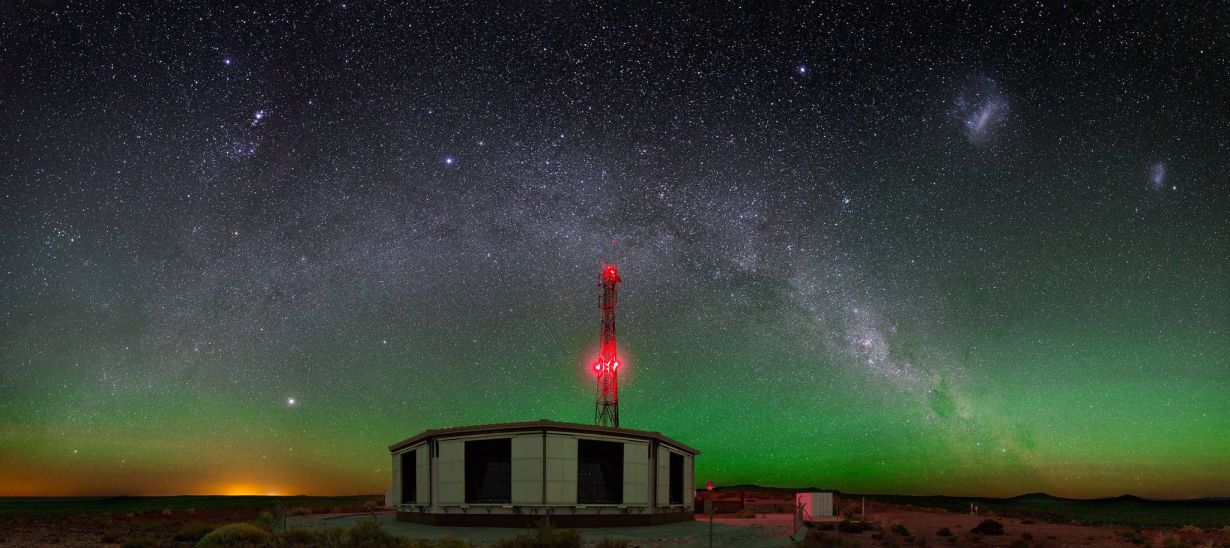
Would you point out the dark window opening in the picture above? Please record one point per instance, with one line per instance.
(676, 493)
(409, 477)
(489, 471)
(600, 472)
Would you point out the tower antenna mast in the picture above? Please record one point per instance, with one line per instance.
(606, 369)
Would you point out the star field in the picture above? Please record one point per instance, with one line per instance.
(952, 249)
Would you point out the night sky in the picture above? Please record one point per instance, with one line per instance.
(957, 250)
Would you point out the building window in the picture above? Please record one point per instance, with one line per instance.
(676, 493)
(489, 471)
(600, 472)
(409, 477)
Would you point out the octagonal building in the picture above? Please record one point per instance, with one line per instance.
(514, 474)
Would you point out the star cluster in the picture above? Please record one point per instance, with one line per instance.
(955, 249)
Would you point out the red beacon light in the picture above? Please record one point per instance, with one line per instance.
(598, 365)
(610, 274)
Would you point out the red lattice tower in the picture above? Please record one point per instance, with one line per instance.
(606, 369)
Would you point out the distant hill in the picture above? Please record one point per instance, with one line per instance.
(1120, 510)
(54, 506)
(1027, 497)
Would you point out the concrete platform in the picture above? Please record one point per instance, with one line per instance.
(763, 532)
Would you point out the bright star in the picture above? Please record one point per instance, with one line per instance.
(802, 69)
(448, 160)
(290, 401)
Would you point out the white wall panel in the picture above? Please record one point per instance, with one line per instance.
(422, 476)
(689, 483)
(636, 473)
(396, 478)
(561, 469)
(452, 464)
(664, 476)
(527, 469)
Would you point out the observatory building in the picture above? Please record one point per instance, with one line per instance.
(514, 474)
(572, 475)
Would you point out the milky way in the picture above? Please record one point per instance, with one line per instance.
(247, 247)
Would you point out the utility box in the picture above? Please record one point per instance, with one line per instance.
(815, 504)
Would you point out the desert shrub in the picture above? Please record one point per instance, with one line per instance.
(1171, 541)
(140, 543)
(543, 536)
(612, 543)
(332, 537)
(149, 526)
(1026, 537)
(1133, 536)
(368, 533)
(744, 513)
(848, 526)
(295, 537)
(819, 539)
(234, 534)
(988, 527)
(300, 511)
(264, 520)
(193, 531)
(336, 510)
(447, 542)
(111, 537)
(1018, 543)
(900, 530)
(943, 532)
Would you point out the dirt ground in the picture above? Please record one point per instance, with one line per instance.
(158, 528)
(922, 526)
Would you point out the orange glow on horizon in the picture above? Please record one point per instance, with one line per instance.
(244, 489)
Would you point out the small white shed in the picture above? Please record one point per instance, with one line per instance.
(815, 504)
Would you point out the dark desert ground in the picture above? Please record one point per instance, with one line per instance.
(745, 516)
